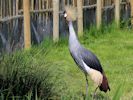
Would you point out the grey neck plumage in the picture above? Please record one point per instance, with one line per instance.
(73, 40)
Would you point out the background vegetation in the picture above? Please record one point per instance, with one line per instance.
(47, 71)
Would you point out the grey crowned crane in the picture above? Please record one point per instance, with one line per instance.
(85, 59)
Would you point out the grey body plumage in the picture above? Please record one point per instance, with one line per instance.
(79, 53)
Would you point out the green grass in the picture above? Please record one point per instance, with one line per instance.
(114, 48)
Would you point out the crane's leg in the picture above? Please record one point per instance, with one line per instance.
(86, 85)
(95, 92)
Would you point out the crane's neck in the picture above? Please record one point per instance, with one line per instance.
(72, 33)
(73, 40)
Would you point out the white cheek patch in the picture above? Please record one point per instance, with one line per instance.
(65, 15)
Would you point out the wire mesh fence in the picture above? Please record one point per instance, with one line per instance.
(43, 22)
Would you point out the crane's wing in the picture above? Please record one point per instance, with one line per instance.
(91, 60)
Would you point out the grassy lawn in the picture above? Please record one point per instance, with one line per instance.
(114, 49)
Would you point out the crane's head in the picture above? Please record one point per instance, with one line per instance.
(70, 13)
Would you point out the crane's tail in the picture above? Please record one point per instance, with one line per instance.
(104, 86)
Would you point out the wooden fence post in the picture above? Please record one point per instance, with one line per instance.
(0, 10)
(27, 32)
(117, 12)
(80, 17)
(17, 7)
(102, 1)
(131, 2)
(99, 14)
(55, 20)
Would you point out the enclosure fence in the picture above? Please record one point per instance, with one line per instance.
(46, 10)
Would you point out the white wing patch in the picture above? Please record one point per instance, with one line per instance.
(87, 68)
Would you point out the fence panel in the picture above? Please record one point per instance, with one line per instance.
(47, 22)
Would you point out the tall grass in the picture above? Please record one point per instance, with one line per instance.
(26, 74)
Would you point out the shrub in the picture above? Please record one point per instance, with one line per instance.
(25, 74)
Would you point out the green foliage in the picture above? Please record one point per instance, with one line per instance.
(118, 93)
(47, 71)
(27, 73)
